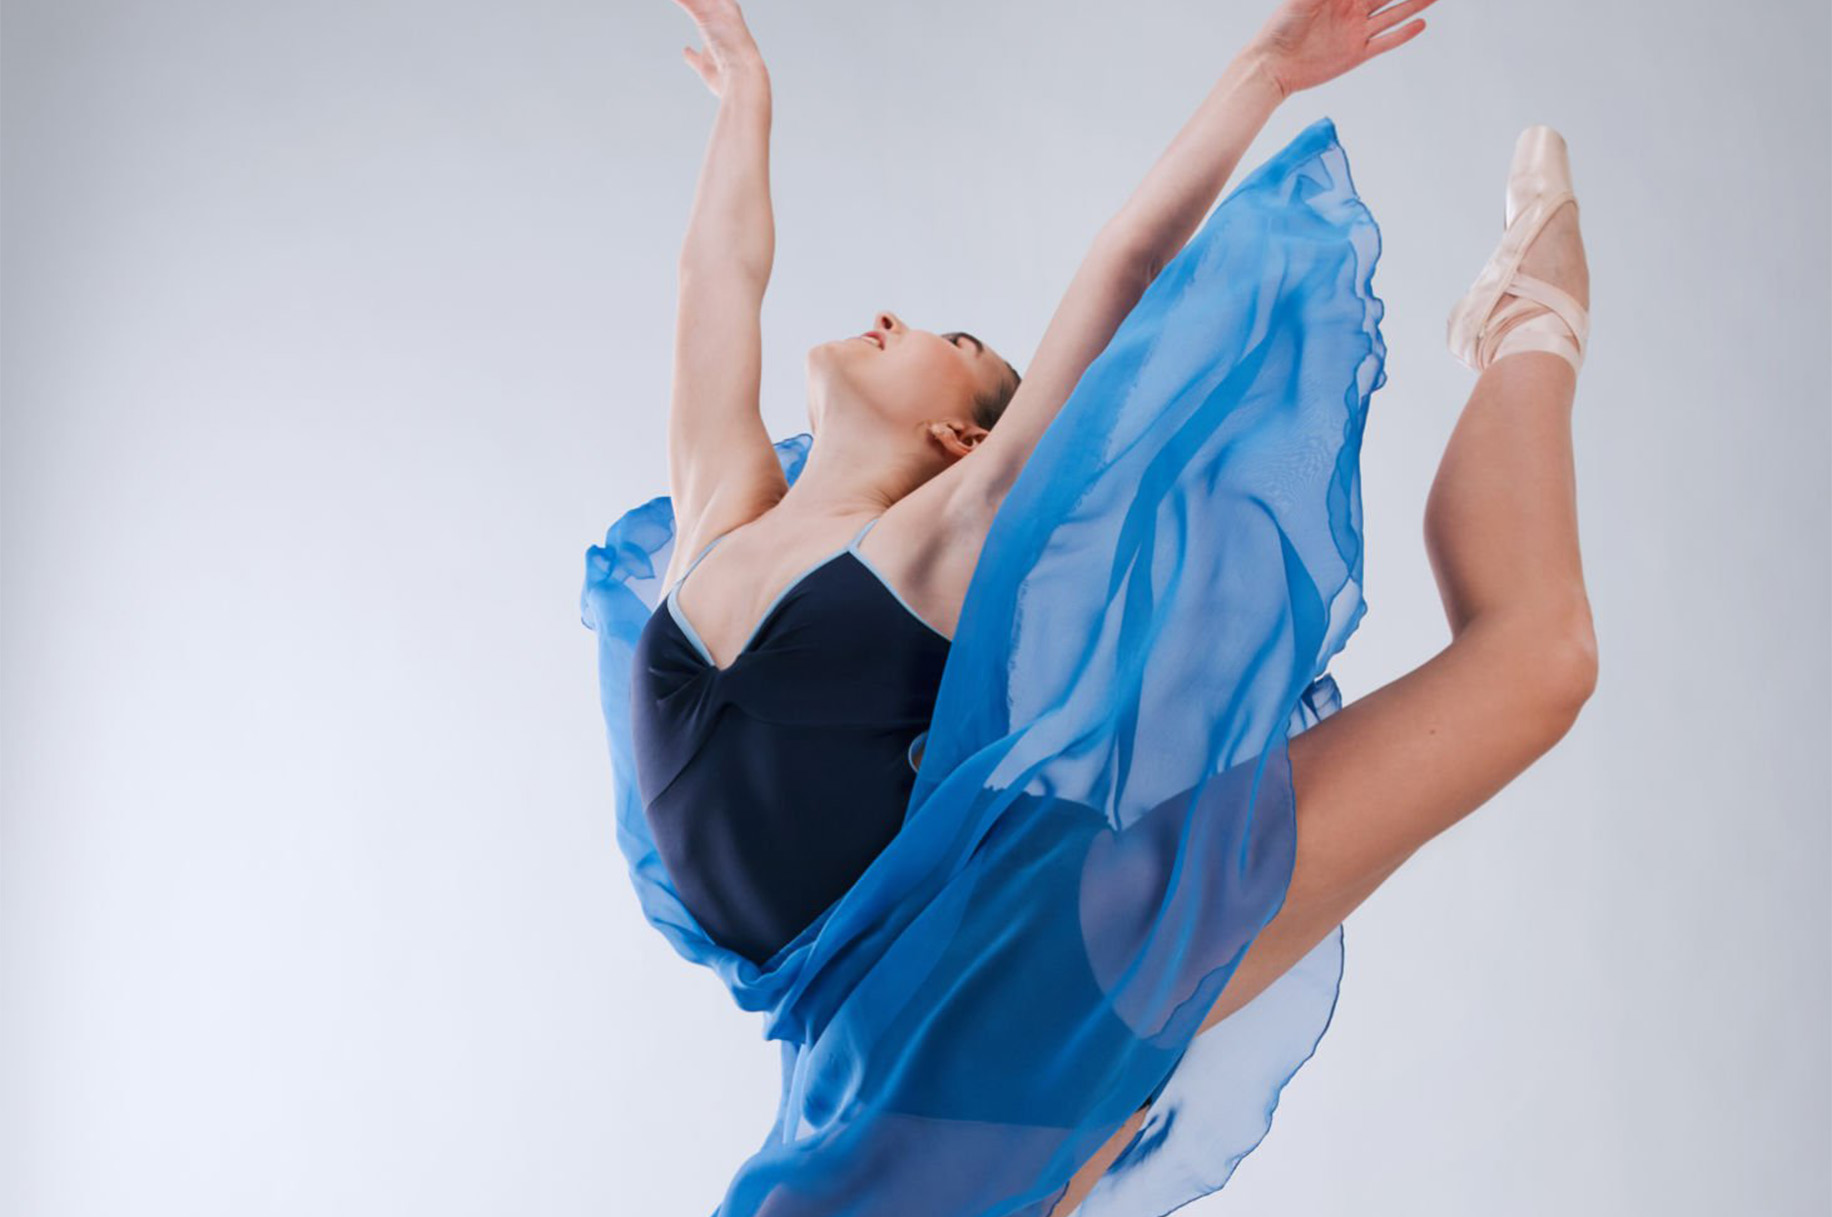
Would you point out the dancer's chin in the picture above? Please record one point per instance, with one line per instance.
(834, 367)
(840, 349)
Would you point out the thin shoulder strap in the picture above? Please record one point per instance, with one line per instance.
(860, 535)
(700, 557)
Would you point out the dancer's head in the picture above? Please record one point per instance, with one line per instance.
(942, 391)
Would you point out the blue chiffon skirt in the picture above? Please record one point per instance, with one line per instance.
(1103, 818)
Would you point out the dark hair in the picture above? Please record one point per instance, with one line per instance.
(988, 408)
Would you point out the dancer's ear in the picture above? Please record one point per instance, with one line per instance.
(958, 436)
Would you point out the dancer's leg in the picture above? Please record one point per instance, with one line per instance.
(1095, 1167)
(1391, 770)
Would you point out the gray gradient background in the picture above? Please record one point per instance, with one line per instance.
(335, 332)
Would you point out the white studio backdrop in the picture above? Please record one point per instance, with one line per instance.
(333, 334)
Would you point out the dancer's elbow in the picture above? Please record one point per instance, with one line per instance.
(1568, 672)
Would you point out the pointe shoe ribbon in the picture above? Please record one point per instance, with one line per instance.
(1539, 183)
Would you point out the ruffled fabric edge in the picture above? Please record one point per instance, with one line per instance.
(623, 585)
(1294, 1013)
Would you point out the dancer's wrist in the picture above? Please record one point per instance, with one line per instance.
(1259, 65)
(745, 73)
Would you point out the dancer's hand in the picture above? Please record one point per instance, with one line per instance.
(1306, 42)
(729, 50)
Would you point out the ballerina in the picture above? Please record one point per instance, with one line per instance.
(993, 755)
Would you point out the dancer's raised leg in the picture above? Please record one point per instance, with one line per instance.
(1391, 770)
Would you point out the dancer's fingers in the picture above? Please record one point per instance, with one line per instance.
(1386, 42)
(1389, 17)
(709, 12)
(698, 61)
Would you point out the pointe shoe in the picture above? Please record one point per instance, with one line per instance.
(1539, 182)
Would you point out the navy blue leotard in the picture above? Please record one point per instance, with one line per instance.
(772, 783)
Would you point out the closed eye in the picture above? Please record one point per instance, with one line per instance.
(978, 346)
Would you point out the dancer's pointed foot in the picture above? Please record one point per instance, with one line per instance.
(1533, 294)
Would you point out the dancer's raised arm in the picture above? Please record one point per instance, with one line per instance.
(721, 468)
(1303, 43)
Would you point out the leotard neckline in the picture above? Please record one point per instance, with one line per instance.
(850, 549)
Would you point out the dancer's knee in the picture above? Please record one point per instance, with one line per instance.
(1547, 654)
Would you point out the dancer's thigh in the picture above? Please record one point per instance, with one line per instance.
(1386, 773)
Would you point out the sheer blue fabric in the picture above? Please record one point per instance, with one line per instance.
(1103, 818)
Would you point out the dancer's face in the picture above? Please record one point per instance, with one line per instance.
(905, 376)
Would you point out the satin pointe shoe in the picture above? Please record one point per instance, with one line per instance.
(1539, 182)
